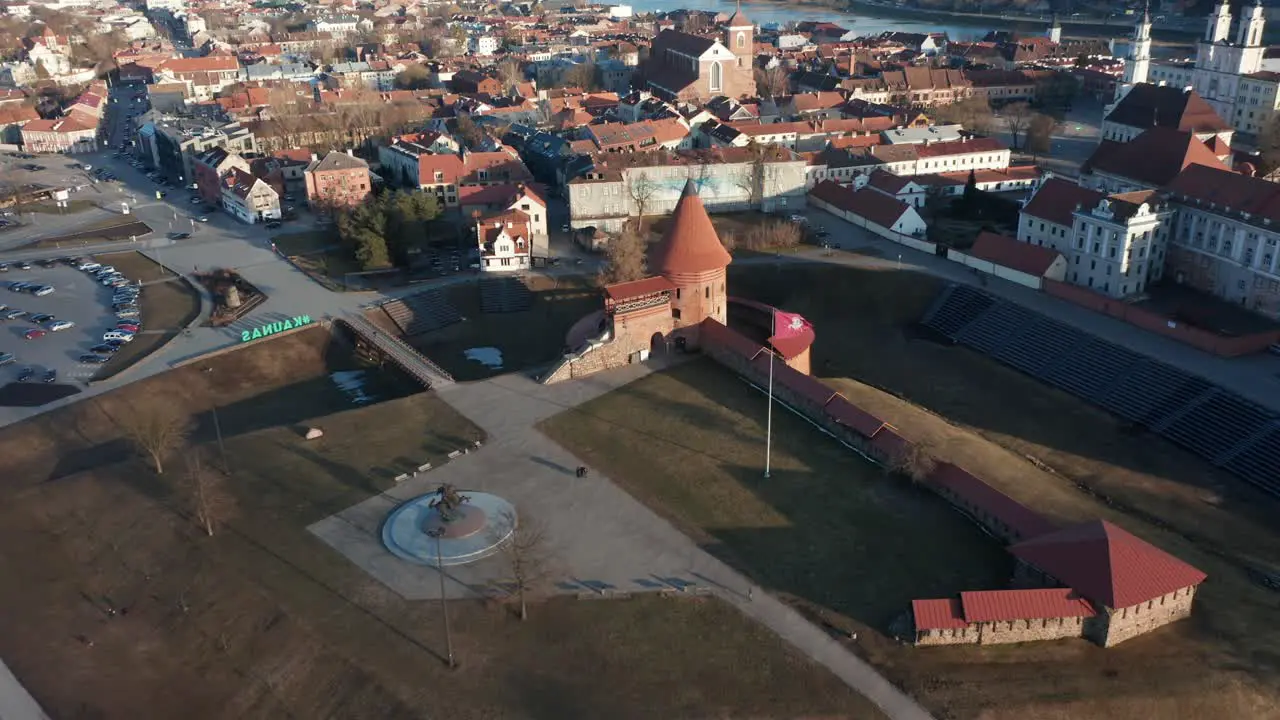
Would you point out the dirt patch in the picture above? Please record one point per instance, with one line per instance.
(34, 394)
(168, 304)
(110, 230)
(116, 605)
(525, 339)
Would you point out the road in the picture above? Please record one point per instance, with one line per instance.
(1072, 143)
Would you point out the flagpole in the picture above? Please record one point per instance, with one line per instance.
(768, 432)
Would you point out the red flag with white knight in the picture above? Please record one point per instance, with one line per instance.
(789, 325)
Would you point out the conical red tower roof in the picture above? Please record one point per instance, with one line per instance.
(691, 244)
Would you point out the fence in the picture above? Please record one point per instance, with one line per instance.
(1034, 282)
(1147, 320)
(880, 230)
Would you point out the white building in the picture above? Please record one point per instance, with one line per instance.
(482, 44)
(249, 199)
(505, 242)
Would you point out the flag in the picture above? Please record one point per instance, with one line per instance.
(789, 325)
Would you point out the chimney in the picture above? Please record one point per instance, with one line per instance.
(349, 153)
(314, 157)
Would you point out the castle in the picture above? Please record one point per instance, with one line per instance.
(666, 312)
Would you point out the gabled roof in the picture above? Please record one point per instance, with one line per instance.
(962, 484)
(1107, 564)
(1034, 604)
(1056, 199)
(1148, 106)
(1230, 192)
(690, 244)
(865, 203)
(1153, 158)
(1010, 252)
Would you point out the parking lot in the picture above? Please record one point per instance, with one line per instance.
(77, 297)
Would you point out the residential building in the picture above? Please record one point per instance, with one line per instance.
(443, 174)
(618, 187)
(204, 76)
(339, 180)
(1226, 237)
(60, 135)
(481, 201)
(505, 242)
(208, 169)
(248, 198)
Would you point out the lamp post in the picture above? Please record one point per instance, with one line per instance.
(217, 428)
(437, 534)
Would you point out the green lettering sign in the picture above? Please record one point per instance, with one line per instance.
(272, 328)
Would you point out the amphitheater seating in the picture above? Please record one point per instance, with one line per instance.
(1214, 423)
(504, 295)
(421, 312)
(961, 305)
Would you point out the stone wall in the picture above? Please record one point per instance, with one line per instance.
(631, 342)
(1007, 631)
(1132, 621)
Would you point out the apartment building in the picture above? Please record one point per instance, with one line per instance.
(338, 180)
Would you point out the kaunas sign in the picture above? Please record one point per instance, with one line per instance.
(275, 328)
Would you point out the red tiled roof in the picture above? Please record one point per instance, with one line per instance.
(874, 206)
(714, 333)
(938, 614)
(618, 292)
(1147, 105)
(1056, 199)
(1003, 250)
(1240, 193)
(1154, 158)
(1107, 564)
(996, 605)
(888, 182)
(1024, 521)
(853, 417)
(691, 244)
(806, 386)
(960, 147)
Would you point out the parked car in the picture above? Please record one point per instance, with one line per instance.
(61, 325)
(49, 376)
(118, 335)
(26, 374)
(18, 286)
(202, 219)
(88, 266)
(128, 327)
(34, 333)
(104, 349)
(180, 235)
(7, 358)
(94, 359)
(14, 314)
(4, 267)
(42, 290)
(24, 265)
(41, 318)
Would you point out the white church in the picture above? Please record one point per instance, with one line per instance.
(1227, 74)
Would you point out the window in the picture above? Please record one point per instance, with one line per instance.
(675, 313)
(677, 293)
(716, 77)
(741, 40)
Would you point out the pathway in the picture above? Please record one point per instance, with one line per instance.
(15, 702)
(604, 538)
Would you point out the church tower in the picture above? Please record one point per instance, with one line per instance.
(1219, 24)
(740, 38)
(1137, 65)
(1055, 31)
(692, 259)
(1249, 38)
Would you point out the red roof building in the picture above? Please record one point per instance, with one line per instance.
(1033, 260)
(1107, 564)
(691, 245)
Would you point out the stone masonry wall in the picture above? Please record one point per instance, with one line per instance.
(1132, 621)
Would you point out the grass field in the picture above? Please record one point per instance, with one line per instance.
(117, 228)
(168, 304)
(526, 339)
(264, 621)
(989, 419)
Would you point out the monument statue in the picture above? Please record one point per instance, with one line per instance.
(448, 502)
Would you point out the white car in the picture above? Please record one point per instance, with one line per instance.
(88, 267)
(117, 335)
(43, 290)
(61, 325)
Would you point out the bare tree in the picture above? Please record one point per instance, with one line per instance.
(625, 257)
(528, 558)
(155, 429)
(1016, 118)
(914, 461)
(510, 74)
(974, 113)
(1040, 133)
(751, 179)
(211, 503)
(773, 81)
(641, 189)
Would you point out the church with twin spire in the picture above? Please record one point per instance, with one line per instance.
(1226, 73)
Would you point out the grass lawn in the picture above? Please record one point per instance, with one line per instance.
(527, 339)
(305, 243)
(265, 621)
(826, 529)
(51, 208)
(317, 253)
(168, 303)
(990, 419)
(119, 228)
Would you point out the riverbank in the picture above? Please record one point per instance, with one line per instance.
(1118, 27)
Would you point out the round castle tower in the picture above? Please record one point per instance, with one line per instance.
(692, 259)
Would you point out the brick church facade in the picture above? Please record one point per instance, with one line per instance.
(689, 67)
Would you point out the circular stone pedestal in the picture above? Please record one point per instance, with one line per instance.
(480, 527)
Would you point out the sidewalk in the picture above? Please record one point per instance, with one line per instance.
(15, 702)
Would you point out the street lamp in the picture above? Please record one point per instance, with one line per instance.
(217, 428)
(437, 534)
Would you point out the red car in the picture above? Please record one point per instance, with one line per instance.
(34, 333)
(127, 327)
